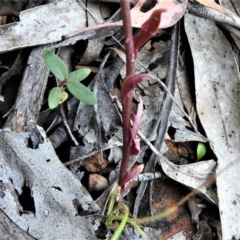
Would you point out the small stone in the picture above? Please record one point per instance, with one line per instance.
(97, 182)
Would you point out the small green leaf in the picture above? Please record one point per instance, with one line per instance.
(201, 150)
(81, 92)
(79, 74)
(54, 97)
(56, 65)
(64, 96)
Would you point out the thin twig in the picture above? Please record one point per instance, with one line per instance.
(67, 126)
(80, 158)
(231, 29)
(146, 177)
(49, 128)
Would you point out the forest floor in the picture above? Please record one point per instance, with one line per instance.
(58, 166)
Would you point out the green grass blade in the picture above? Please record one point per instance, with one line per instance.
(79, 74)
(158, 216)
(112, 201)
(56, 65)
(121, 226)
(139, 230)
(81, 92)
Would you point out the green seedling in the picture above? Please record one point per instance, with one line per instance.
(201, 150)
(120, 214)
(71, 80)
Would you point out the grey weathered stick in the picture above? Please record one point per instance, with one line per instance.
(164, 113)
(212, 14)
(31, 92)
(67, 126)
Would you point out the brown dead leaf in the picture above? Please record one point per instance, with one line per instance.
(120, 53)
(172, 14)
(95, 163)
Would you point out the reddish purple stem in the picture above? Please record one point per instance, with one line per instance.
(127, 105)
(130, 143)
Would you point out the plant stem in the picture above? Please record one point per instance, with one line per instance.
(157, 216)
(121, 226)
(128, 37)
(127, 104)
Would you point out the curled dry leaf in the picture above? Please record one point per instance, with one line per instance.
(233, 6)
(173, 12)
(192, 175)
(120, 53)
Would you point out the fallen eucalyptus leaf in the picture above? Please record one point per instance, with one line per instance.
(192, 175)
(181, 128)
(59, 200)
(42, 25)
(217, 85)
(234, 6)
(173, 12)
(213, 14)
(212, 4)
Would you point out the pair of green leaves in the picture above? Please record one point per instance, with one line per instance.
(71, 80)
